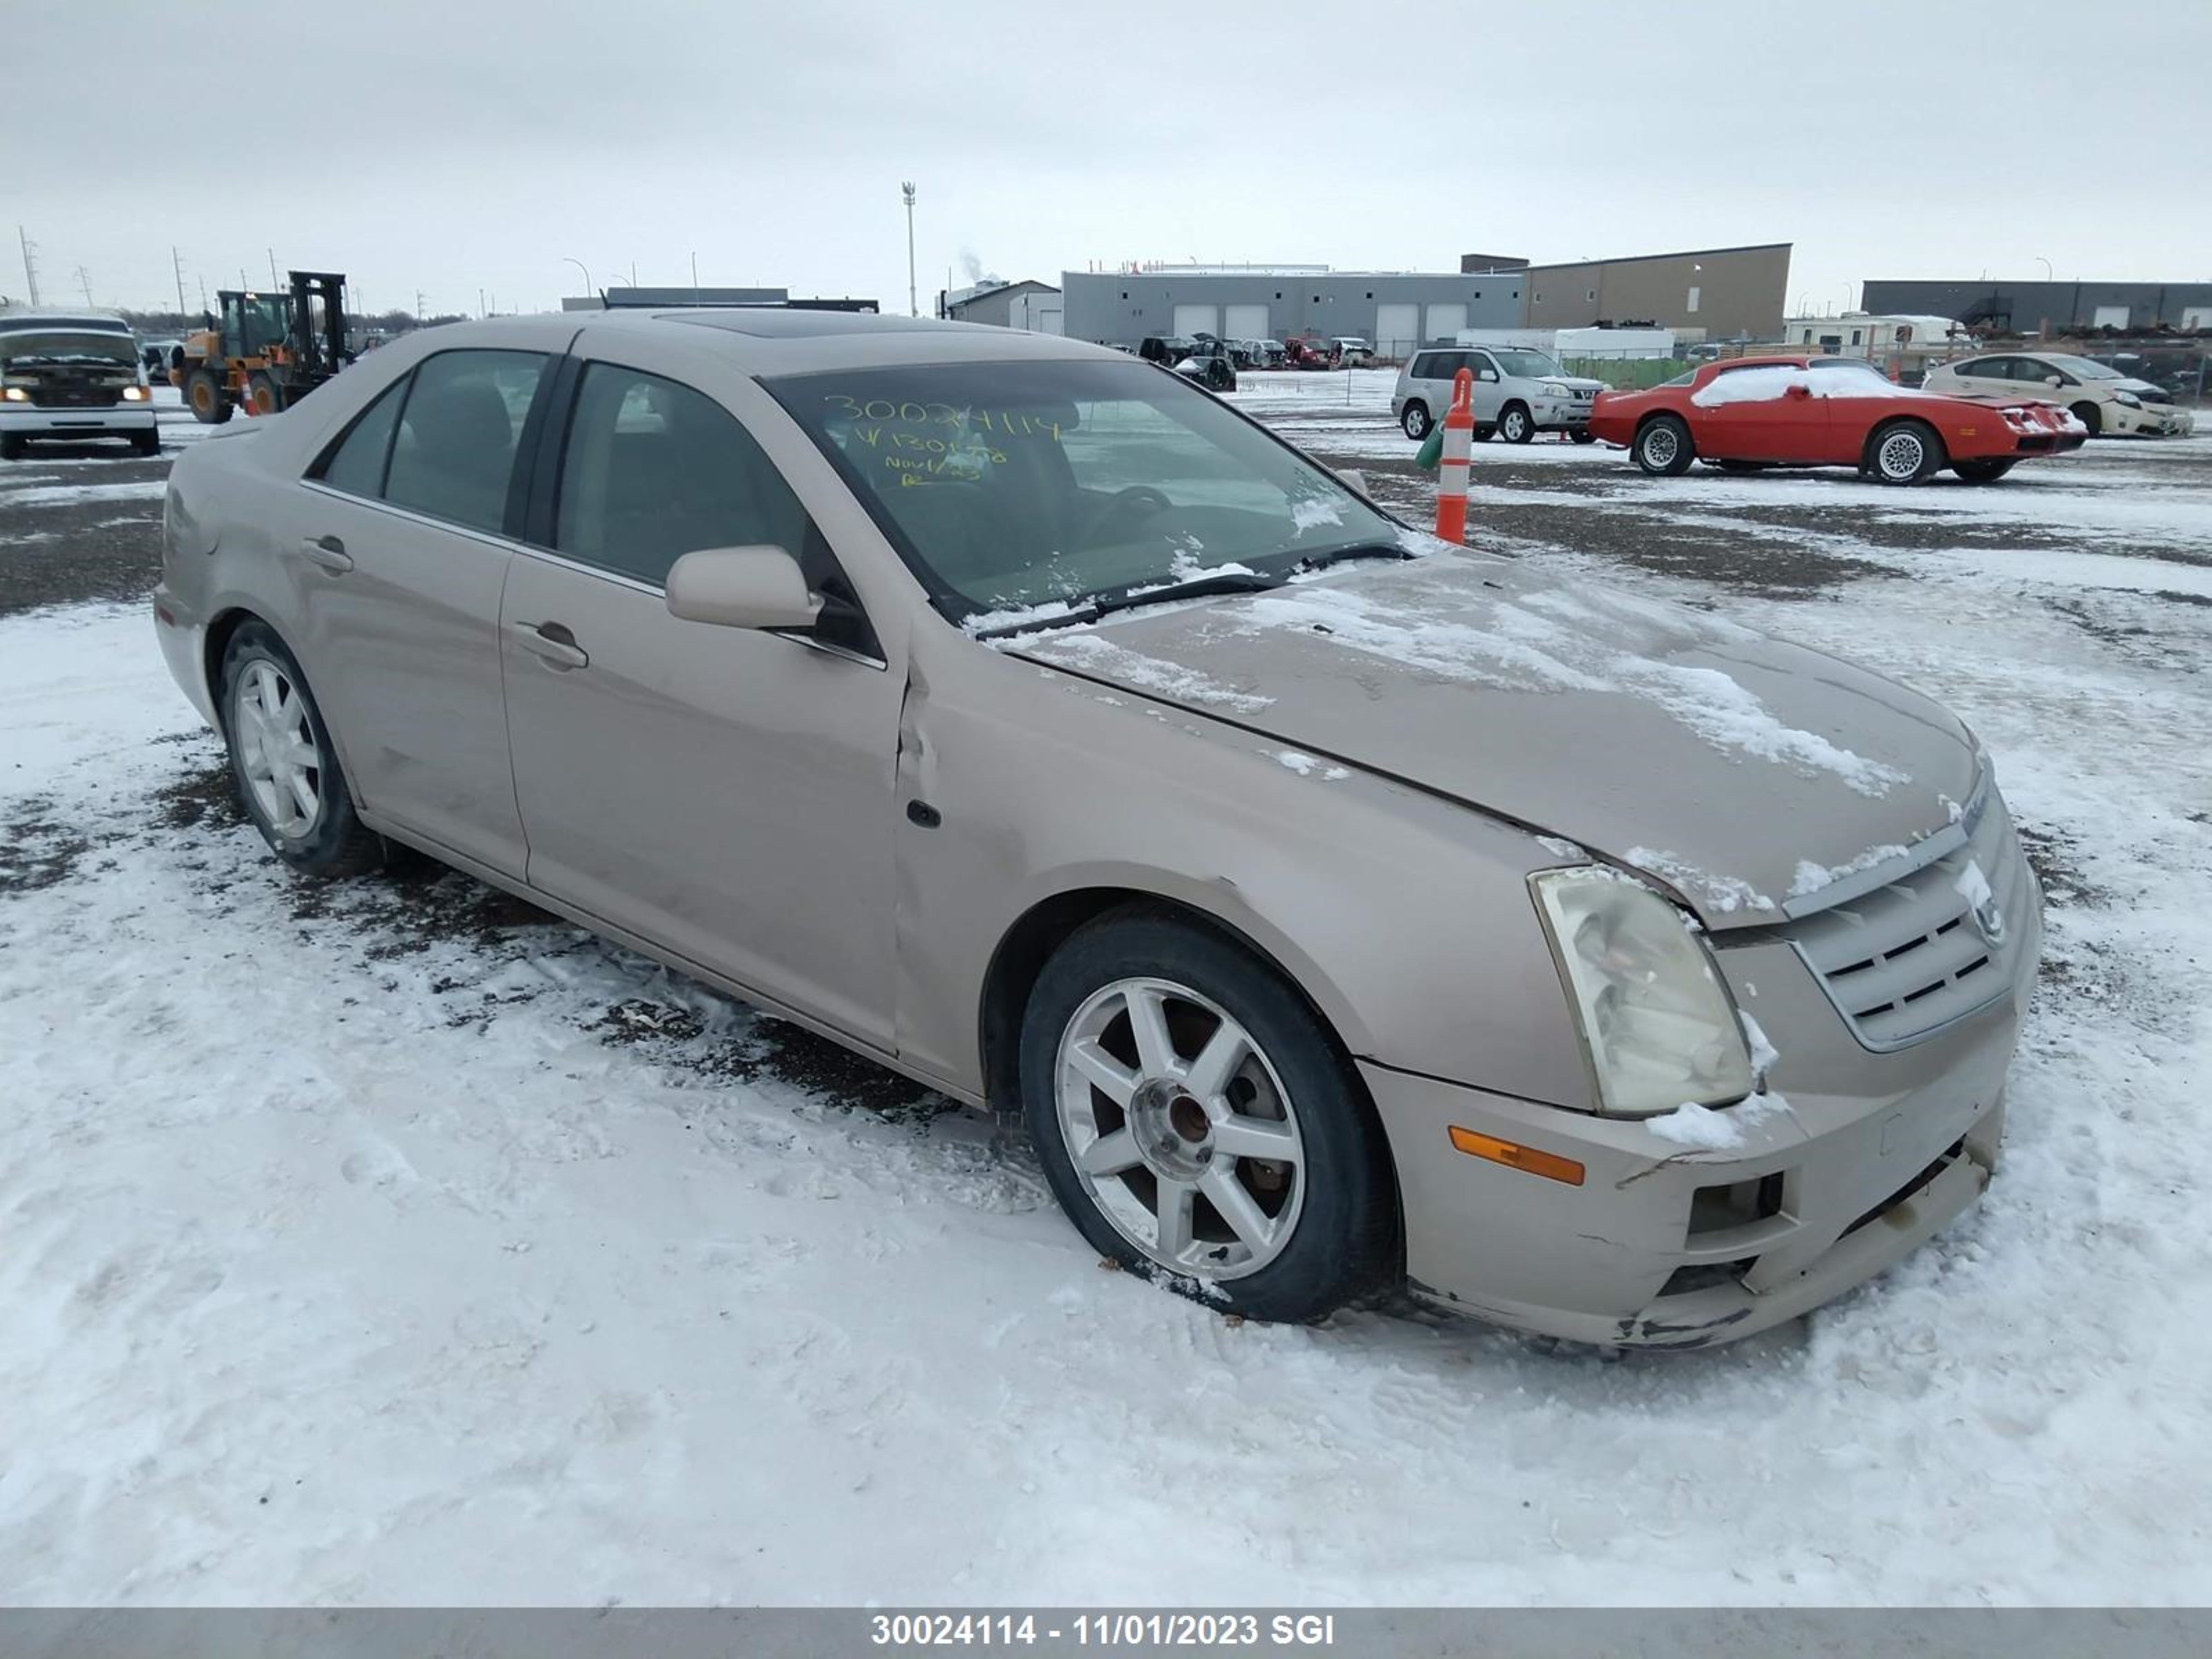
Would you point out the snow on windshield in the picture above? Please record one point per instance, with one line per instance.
(1770, 381)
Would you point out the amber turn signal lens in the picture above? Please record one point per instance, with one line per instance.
(1550, 1165)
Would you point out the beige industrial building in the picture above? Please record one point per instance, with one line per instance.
(1729, 293)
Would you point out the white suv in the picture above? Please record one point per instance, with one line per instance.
(1517, 394)
(2103, 399)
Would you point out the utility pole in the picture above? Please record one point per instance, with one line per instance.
(178, 264)
(273, 282)
(418, 304)
(906, 190)
(30, 261)
(694, 279)
(84, 282)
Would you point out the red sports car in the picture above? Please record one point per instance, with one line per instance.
(1758, 412)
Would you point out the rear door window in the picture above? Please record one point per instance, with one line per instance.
(453, 456)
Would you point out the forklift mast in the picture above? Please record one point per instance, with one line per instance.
(319, 322)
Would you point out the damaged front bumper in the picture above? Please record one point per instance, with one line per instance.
(1661, 1245)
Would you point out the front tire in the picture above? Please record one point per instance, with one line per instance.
(1984, 471)
(1663, 446)
(205, 397)
(11, 445)
(1582, 435)
(263, 396)
(1904, 453)
(283, 763)
(1197, 1121)
(146, 443)
(1515, 424)
(1415, 420)
(2091, 417)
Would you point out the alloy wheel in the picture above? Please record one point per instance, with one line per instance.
(1902, 455)
(1180, 1128)
(1660, 446)
(276, 749)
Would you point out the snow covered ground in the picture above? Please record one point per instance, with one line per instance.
(396, 1243)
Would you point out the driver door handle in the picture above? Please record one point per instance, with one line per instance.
(553, 641)
(327, 551)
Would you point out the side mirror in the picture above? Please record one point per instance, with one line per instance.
(741, 587)
(1490, 375)
(1352, 476)
(1796, 390)
(2054, 379)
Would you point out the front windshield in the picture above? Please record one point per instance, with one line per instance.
(1526, 365)
(62, 346)
(1012, 485)
(2082, 369)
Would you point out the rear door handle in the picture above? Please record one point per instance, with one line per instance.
(327, 551)
(551, 640)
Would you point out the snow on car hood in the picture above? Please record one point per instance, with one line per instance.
(1717, 759)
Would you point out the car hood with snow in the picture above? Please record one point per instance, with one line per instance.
(1724, 763)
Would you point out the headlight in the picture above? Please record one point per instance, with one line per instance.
(15, 394)
(135, 394)
(1552, 390)
(1660, 1028)
(2129, 399)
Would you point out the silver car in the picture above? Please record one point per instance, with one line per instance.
(1342, 911)
(1517, 392)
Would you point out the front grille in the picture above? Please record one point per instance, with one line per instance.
(74, 394)
(1908, 958)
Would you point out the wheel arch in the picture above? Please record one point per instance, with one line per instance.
(1029, 940)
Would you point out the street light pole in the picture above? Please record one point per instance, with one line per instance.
(580, 265)
(2045, 264)
(913, 307)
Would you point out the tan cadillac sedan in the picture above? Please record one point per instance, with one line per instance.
(1340, 910)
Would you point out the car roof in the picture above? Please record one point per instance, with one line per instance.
(12, 321)
(770, 340)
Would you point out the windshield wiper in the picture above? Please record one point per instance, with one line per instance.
(1199, 587)
(1364, 550)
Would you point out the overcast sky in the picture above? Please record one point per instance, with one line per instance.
(476, 144)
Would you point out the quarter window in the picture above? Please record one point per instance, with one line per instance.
(356, 466)
(454, 453)
(654, 470)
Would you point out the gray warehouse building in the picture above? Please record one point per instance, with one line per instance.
(1731, 293)
(1395, 310)
(2028, 308)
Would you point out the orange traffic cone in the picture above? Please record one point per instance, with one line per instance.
(1452, 469)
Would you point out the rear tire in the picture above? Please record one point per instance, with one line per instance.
(1904, 453)
(1291, 1236)
(1663, 446)
(1984, 471)
(205, 397)
(1415, 420)
(1515, 424)
(1582, 435)
(2091, 417)
(283, 763)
